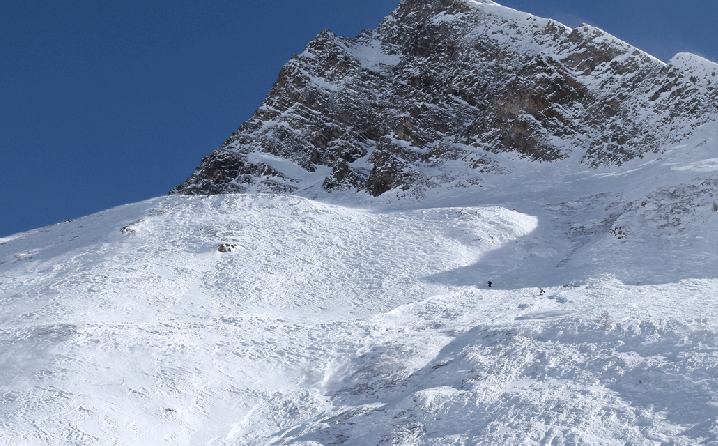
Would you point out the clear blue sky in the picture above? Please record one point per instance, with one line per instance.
(104, 103)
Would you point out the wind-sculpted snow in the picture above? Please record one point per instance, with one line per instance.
(317, 323)
(116, 318)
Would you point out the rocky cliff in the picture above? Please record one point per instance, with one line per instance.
(441, 88)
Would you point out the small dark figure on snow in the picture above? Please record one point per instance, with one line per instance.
(489, 284)
(542, 292)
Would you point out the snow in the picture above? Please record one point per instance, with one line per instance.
(285, 166)
(372, 57)
(694, 64)
(344, 318)
(708, 165)
(443, 17)
(323, 83)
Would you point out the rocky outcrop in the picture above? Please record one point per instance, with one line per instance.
(443, 89)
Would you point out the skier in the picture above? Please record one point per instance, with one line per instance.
(489, 284)
(542, 292)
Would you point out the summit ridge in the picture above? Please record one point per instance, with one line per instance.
(442, 90)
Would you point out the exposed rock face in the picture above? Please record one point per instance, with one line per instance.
(440, 88)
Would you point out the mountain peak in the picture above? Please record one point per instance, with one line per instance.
(694, 63)
(441, 92)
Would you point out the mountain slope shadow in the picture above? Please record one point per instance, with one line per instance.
(591, 238)
(529, 261)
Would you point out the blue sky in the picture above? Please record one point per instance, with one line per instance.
(104, 103)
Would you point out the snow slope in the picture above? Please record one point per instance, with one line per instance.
(356, 320)
(338, 317)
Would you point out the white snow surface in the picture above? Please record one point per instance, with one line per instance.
(344, 319)
(372, 57)
(347, 319)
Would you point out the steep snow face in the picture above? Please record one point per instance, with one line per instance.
(275, 319)
(441, 90)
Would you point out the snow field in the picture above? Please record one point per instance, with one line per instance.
(153, 311)
(326, 324)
